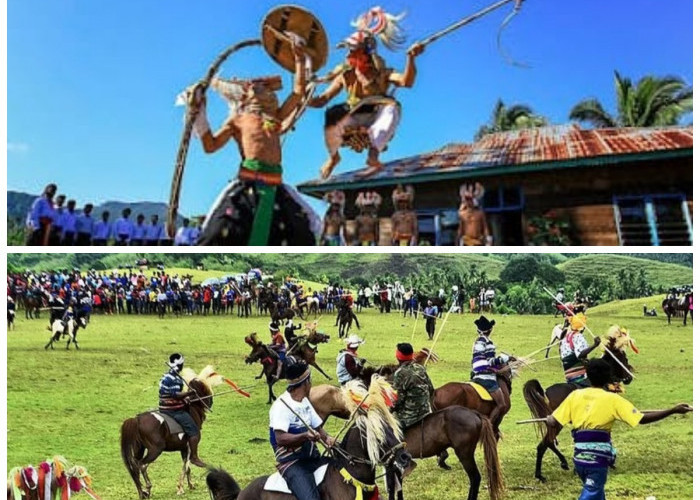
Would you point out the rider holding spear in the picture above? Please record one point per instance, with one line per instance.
(295, 427)
(172, 402)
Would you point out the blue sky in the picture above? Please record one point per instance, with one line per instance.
(91, 84)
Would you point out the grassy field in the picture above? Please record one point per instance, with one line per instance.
(72, 403)
(658, 273)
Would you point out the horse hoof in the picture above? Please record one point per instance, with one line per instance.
(444, 466)
(541, 479)
(565, 466)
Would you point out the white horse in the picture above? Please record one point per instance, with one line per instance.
(556, 335)
(71, 330)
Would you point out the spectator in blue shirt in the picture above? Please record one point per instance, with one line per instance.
(68, 222)
(182, 236)
(138, 237)
(40, 217)
(84, 226)
(154, 232)
(123, 228)
(103, 230)
(57, 226)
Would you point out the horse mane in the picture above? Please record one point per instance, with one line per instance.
(374, 417)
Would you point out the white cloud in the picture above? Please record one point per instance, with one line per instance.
(17, 147)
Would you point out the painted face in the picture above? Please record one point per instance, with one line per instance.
(360, 60)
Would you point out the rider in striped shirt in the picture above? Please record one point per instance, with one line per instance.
(486, 365)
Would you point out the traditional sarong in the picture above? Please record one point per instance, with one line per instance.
(593, 448)
(379, 120)
(257, 209)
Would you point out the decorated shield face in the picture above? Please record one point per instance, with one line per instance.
(280, 22)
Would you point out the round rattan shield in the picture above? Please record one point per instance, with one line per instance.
(301, 22)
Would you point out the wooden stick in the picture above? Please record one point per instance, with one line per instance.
(463, 22)
(444, 321)
(532, 421)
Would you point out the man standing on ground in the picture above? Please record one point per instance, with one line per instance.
(592, 413)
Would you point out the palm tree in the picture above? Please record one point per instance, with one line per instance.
(506, 118)
(653, 102)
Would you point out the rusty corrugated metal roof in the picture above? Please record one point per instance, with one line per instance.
(550, 146)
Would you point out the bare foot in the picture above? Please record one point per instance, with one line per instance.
(327, 168)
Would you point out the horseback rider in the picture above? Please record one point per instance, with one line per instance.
(173, 403)
(413, 386)
(289, 334)
(348, 364)
(486, 365)
(293, 433)
(68, 314)
(574, 351)
(592, 413)
(278, 346)
(430, 314)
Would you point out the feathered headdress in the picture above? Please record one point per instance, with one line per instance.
(403, 195)
(369, 199)
(619, 338)
(336, 198)
(207, 376)
(475, 192)
(376, 23)
(374, 416)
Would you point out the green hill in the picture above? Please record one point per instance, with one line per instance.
(660, 274)
(630, 308)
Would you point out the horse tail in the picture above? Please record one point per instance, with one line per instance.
(493, 464)
(221, 485)
(536, 401)
(130, 443)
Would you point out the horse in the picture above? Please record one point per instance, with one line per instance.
(33, 302)
(464, 394)
(542, 403)
(673, 307)
(328, 401)
(461, 429)
(145, 437)
(268, 358)
(70, 329)
(11, 312)
(345, 317)
(373, 440)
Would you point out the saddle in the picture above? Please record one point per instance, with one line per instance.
(481, 391)
(173, 426)
(276, 482)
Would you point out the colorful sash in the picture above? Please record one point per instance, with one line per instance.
(593, 448)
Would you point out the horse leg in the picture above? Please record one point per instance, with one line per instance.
(541, 450)
(271, 395)
(442, 460)
(186, 469)
(562, 459)
(466, 458)
(150, 457)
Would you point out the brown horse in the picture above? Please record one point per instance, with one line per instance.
(542, 403)
(461, 429)
(269, 358)
(327, 399)
(373, 440)
(144, 438)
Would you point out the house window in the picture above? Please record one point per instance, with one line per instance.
(661, 219)
(504, 211)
